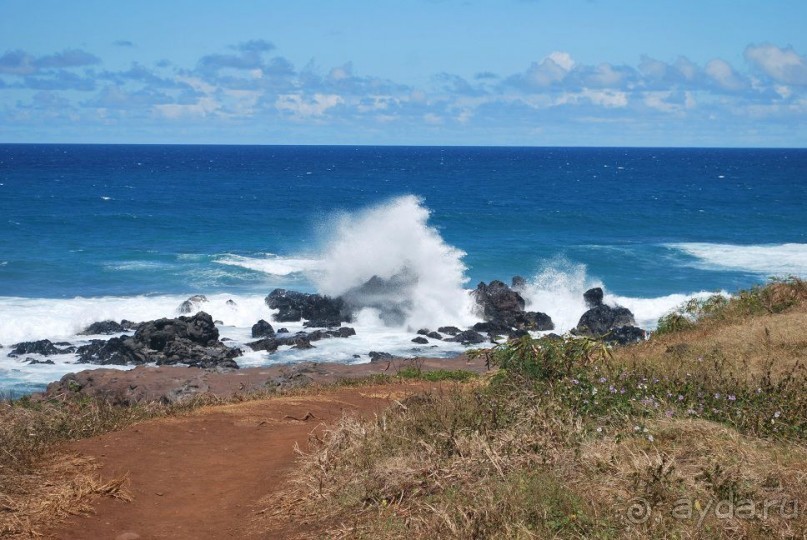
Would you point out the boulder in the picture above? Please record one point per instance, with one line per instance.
(450, 330)
(262, 329)
(533, 320)
(625, 335)
(34, 361)
(44, 347)
(380, 356)
(434, 335)
(468, 337)
(497, 301)
(391, 297)
(599, 320)
(192, 304)
(421, 340)
(103, 327)
(593, 297)
(518, 283)
(193, 341)
(294, 306)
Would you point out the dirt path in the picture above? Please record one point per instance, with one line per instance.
(201, 476)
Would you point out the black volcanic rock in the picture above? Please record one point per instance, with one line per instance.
(192, 304)
(262, 329)
(625, 335)
(44, 347)
(450, 330)
(185, 340)
(421, 340)
(599, 320)
(103, 327)
(593, 297)
(497, 301)
(468, 337)
(293, 306)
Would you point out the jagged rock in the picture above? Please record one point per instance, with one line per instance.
(192, 304)
(44, 347)
(390, 297)
(497, 301)
(230, 302)
(185, 340)
(343, 332)
(518, 283)
(516, 334)
(380, 356)
(293, 306)
(420, 339)
(434, 335)
(625, 335)
(468, 337)
(103, 327)
(262, 329)
(266, 344)
(599, 320)
(34, 361)
(283, 331)
(450, 330)
(129, 325)
(593, 297)
(118, 351)
(533, 320)
(423, 332)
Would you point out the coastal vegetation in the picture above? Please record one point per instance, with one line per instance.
(697, 432)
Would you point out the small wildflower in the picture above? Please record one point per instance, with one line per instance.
(668, 413)
(650, 438)
(717, 395)
(732, 397)
(636, 428)
(593, 391)
(612, 389)
(575, 382)
(644, 430)
(680, 397)
(777, 414)
(599, 430)
(603, 380)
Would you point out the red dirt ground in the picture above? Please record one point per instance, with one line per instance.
(201, 476)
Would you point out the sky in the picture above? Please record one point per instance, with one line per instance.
(693, 73)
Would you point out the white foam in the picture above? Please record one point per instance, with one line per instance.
(273, 264)
(767, 260)
(557, 290)
(390, 240)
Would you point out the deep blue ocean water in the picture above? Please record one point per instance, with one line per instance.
(97, 221)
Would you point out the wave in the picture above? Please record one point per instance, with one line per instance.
(394, 243)
(557, 290)
(767, 260)
(273, 264)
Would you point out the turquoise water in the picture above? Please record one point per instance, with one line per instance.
(89, 227)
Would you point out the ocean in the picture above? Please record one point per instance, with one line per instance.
(95, 232)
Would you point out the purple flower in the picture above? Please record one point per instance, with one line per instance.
(680, 397)
(732, 397)
(575, 381)
(603, 380)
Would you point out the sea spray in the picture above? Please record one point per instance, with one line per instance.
(557, 290)
(393, 244)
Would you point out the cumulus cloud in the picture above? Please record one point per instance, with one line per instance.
(300, 106)
(724, 75)
(18, 62)
(782, 65)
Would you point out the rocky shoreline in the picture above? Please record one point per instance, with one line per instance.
(193, 340)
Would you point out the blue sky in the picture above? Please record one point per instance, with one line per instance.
(442, 72)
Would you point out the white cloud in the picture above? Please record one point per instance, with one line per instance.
(782, 65)
(301, 107)
(552, 69)
(724, 75)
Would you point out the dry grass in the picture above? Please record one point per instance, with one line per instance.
(705, 427)
(60, 487)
